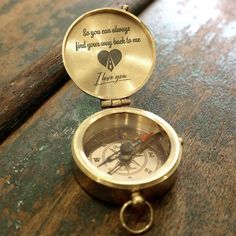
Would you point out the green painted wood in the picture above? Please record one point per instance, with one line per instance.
(192, 87)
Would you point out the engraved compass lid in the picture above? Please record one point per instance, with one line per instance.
(109, 53)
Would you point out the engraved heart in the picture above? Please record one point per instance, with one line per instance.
(110, 59)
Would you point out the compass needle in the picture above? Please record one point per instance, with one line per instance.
(112, 150)
(109, 158)
(116, 168)
(135, 162)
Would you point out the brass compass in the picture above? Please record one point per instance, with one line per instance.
(122, 155)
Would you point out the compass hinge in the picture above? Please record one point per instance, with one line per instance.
(115, 102)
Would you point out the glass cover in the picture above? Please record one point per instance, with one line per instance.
(126, 145)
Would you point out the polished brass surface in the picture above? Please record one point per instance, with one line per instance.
(134, 118)
(117, 196)
(109, 53)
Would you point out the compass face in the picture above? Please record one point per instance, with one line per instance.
(120, 152)
(125, 148)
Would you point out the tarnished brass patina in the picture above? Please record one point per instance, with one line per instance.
(122, 155)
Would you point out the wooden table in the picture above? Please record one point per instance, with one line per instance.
(192, 87)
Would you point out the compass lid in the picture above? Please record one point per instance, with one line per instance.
(109, 53)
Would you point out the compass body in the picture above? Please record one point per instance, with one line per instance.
(121, 154)
(150, 167)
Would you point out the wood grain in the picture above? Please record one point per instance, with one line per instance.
(24, 93)
(192, 87)
(30, 29)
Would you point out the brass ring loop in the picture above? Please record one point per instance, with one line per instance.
(136, 231)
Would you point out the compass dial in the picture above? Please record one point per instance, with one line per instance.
(120, 152)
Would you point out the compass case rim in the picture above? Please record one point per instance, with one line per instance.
(94, 176)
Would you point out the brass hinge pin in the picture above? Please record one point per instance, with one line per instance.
(115, 103)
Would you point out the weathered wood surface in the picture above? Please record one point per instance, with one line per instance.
(193, 87)
(31, 28)
(22, 94)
